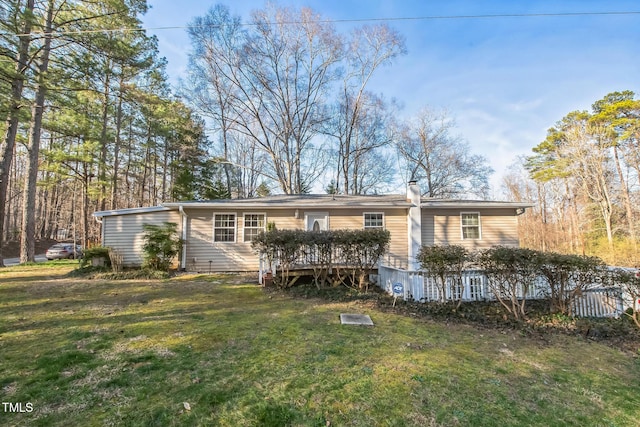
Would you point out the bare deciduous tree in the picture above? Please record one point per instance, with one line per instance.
(576, 152)
(443, 162)
(216, 40)
(588, 163)
(360, 119)
(268, 84)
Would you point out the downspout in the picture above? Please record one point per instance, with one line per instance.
(414, 226)
(183, 237)
(99, 221)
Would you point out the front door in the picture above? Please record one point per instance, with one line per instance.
(316, 221)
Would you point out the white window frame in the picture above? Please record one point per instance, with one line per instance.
(244, 224)
(234, 228)
(364, 221)
(462, 226)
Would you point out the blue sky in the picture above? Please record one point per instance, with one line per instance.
(505, 80)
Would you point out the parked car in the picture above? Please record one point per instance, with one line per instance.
(64, 251)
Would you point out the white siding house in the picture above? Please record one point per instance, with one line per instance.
(217, 234)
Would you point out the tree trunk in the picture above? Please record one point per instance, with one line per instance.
(627, 198)
(577, 233)
(85, 208)
(153, 188)
(543, 217)
(165, 170)
(102, 164)
(127, 169)
(116, 150)
(145, 168)
(17, 84)
(27, 241)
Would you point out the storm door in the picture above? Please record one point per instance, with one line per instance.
(317, 221)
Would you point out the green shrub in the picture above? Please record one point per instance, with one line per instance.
(349, 255)
(319, 255)
(444, 265)
(510, 274)
(630, 283)
(359, 251)
(283, 246)
(161, 245)
(568, 276)
(95, 253)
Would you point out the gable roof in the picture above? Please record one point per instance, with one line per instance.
(320, 201)
(302, 201)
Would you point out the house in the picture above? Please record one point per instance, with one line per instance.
(217, 234)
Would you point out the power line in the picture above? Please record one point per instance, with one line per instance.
(490, 16)
(354, 20)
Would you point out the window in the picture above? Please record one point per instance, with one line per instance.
(253, 225)
(373, 220)
(475, 288)
(224, 227)
(470, 225)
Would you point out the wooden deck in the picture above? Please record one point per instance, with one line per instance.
(298, 271)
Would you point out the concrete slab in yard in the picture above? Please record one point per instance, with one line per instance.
(356, 319)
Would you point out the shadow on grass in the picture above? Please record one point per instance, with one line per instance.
(126, 308)
(37, 279)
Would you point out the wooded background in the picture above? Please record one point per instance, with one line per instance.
(274, 102)
(584, 180)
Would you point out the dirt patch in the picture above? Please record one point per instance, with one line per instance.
(12, 249)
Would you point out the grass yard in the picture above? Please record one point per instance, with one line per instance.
(203, 350)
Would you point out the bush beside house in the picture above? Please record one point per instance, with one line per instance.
(512, 272)
(161, 245)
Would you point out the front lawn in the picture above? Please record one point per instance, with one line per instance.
(213, 350)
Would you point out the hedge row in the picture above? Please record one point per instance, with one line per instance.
(334, 257)
(512, 271)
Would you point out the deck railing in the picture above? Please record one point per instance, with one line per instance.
(418, 286)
